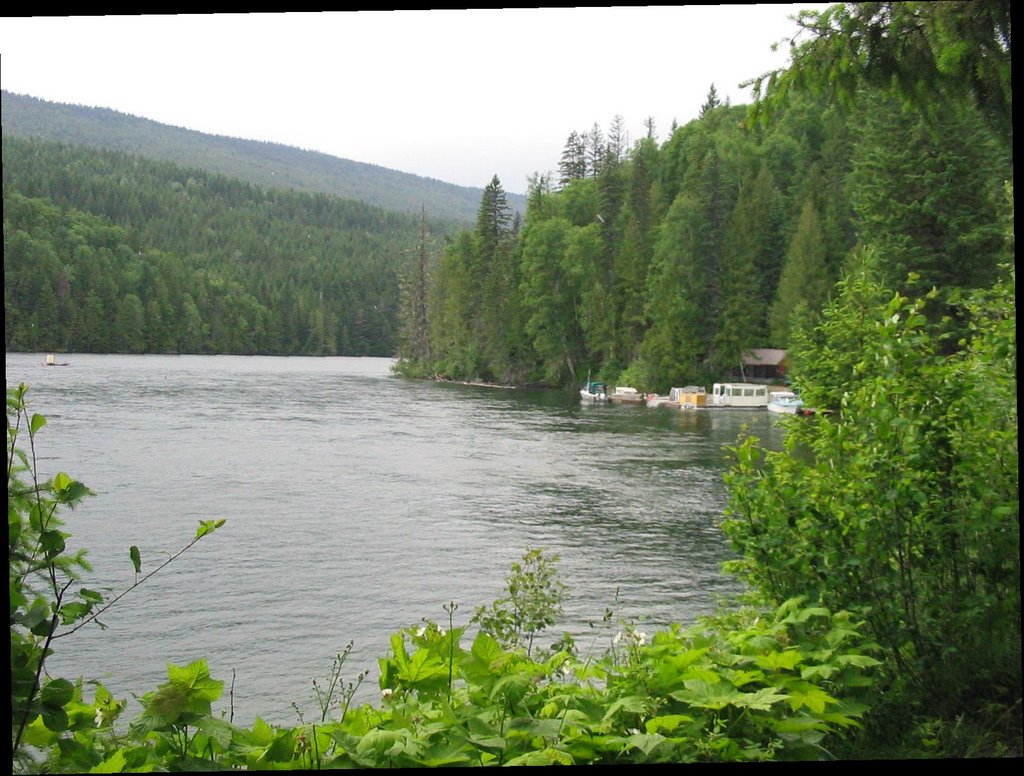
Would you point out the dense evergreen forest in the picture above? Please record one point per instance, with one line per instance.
(273, 165)
(660, 264)
(110, 252)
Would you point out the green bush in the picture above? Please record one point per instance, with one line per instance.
(903, 506)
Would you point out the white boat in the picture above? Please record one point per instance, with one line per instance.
(784, 402)
(594, 391)
(739, 396)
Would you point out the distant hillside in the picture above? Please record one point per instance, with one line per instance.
(262, 163)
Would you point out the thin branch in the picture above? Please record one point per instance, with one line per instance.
(121, 595)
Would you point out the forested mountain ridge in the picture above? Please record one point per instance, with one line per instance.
(106, 251)
(267, 164)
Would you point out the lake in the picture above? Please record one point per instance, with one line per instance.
(358, 503)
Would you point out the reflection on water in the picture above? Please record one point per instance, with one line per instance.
(358, 503)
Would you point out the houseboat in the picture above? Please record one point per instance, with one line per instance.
(739, 396)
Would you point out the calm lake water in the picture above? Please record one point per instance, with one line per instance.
(358, 503)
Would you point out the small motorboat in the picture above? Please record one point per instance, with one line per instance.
(594, 391)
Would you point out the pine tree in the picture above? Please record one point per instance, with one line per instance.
(751, 258)
(596, 151)
(711, 102)
(805, 282)
(640, 216)
(573, 165)
(413, 341)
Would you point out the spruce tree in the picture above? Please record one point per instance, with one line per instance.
(805, 281)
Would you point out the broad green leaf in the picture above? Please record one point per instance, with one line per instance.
(484, 736)
(823, 671)
(799, 723)
(196, 678)
(55, 718)
(167, 704)
(631, 704)
(687, 658)
(281, 750)
(812, 697)
(37, 422)
(422, 667)
(219, 730)
(113, 764)
(547, 756)
(262, 733)
(644, 742)
(545, 728)
(486, 649)
(511, 688)
(740, 678)
(381, 742)
(52, 542)
(666, 723)
(39, 613)
(90, 595)
(38, 735)
(762, 700)
(704, 695)
(701, 674)
(860, 661)
(444, 753)
(75, 492)
(73, 612)
(779, 660)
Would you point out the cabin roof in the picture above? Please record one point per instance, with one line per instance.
(764, 357)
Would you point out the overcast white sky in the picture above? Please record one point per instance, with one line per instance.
(457, 95)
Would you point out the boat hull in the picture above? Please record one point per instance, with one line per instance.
(784, 409)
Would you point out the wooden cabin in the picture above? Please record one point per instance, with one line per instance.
(764, 364)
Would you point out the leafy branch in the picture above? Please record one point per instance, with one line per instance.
(205, 527)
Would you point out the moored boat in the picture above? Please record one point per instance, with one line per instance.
(784, 402)
(623, 394)
(594, 391)
(690, 397)
(749, 396)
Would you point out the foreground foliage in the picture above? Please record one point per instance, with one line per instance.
(903, 506)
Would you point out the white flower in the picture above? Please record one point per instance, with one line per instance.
(99, 716)
(618, 637)
(386, 693)
(420, 631)
(639, 638)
